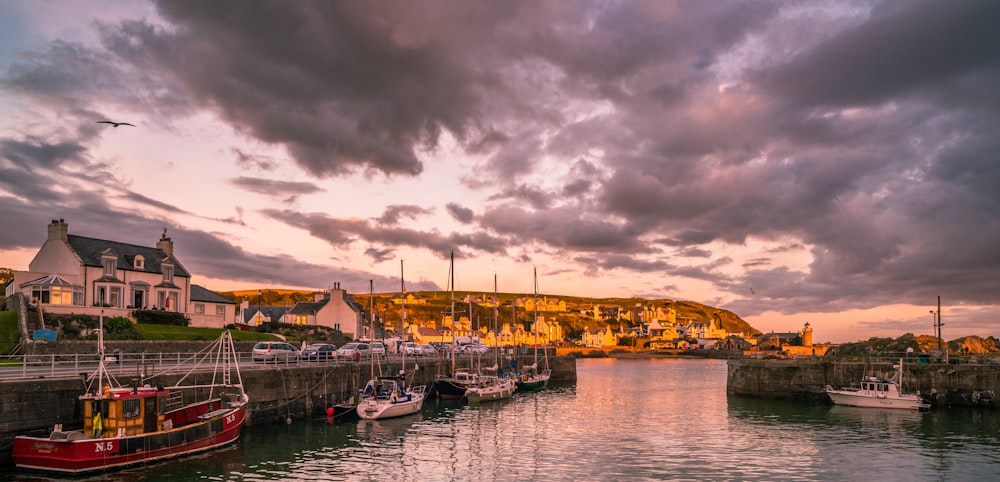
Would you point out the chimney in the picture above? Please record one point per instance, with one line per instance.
(59, 230)
(165, 244)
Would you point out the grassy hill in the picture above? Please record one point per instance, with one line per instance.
(438, 305)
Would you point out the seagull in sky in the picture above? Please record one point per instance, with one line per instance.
(753, 291)
(116, 124)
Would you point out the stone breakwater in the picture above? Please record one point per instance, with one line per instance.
(944, 385)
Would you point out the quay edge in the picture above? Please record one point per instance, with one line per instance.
(966, 385)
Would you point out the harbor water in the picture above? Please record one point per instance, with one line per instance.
(649, 419)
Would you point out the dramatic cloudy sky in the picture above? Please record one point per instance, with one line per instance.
(821, 161)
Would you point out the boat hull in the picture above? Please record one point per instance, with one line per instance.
(381, 409)
(449, 389)
(854, 399)
(528, 383)
(80, 454)
(498, 391)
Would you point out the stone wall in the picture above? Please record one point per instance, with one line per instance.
(276, 393)
(945, 385)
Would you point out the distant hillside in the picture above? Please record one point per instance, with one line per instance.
(972, 345)
(438, 304)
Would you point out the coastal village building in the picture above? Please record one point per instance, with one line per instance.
(599, 337)
(543, 304)
(83, 275)
(332, 308)
(409, 298)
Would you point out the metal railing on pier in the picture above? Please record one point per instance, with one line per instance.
(144, 365)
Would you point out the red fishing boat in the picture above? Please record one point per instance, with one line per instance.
(126, 426)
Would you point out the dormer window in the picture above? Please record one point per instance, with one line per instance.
(110, 265)
(139, 262)
(168, 273)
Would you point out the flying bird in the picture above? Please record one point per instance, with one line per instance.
(753, 291)
(116, 124)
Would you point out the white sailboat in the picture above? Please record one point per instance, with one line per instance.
(390, 396)
(879, 393)
(495, 386)
(531, 377)
(454, 384)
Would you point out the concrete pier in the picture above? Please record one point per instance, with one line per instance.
(276, 393)
(946, 385)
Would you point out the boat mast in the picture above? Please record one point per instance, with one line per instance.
(451, 281)
(496, 323)
(534, 324)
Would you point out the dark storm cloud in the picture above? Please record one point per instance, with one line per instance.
(34, 153)
(601, 131)
(342, 85)
(923, 45)
(246, 160)
(276, 189)
(460, 214)
(534, 196)
(395, 212)
(343, 232)
(134, 196)
(563, 229)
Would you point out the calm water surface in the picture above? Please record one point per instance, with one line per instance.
(662, 419)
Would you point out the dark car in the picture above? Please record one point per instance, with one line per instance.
(319, 352)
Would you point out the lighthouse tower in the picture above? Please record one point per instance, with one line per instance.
(807, 335)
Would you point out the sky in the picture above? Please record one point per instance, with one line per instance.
(830, 162)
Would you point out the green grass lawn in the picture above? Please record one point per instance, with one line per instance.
(9, 333)
(171, 332)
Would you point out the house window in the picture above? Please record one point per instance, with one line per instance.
(199, 308)
(57, 295)
(220, 310)
(336, 326)
(110, 265)
(168, 274)
(139, 262)
(115, 296)
(301, 319)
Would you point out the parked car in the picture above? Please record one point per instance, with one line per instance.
(475, 349)
(410, 348)
(441, 346)
(428, 350)
(377, 348)
(319, 352)
(353, 351)
(274, 352)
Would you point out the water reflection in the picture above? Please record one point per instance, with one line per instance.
(623, 419)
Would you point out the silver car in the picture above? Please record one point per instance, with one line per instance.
(274, 352)
(353, 351)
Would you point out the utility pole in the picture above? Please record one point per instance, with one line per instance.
(939, 325)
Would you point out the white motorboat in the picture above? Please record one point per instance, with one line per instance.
(878, 392)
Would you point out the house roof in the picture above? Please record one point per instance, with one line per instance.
(201, 294)
(274, 312)
(50, 280)
(424, 331)
(308, 307)
(90, 251)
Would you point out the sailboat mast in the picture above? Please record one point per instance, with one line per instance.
(534, 324)
(451, 281)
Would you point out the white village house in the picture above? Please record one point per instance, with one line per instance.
(78, 274)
